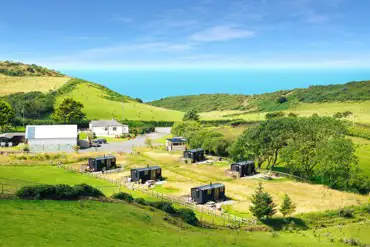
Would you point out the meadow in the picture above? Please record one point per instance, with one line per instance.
(93, 223)
(360, 109)
(14, 84)
(98, 106)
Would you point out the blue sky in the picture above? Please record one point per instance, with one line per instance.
(120, 34)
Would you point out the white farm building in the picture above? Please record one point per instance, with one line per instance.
(108, 128)
(51, 138)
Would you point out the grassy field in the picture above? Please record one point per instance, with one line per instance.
(89, 223)
(363, 153)
(98, 107)
(180, 178)
(359, 108)
(13, 84)
(16, 176)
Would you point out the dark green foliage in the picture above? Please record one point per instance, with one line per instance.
(69, 111)
(139, 100)
(164, 206)
(58, 192)
(338, 115)
(288, 206)
(292, 114)
(7, 115)
(346, 212)
(188, 216)
(185, 128)
(141, 201)
(262, 203)
(31, 105)
(191, 115)
(282, 100)
(123, 196)
(277, 114)
(359, 130)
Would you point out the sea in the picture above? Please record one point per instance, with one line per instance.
(154, 84)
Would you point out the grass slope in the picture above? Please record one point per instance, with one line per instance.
(98, 105)
(352, 91)
(17, 84)
(90, 223)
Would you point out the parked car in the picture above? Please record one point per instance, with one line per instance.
(101, 141)
(95, 143)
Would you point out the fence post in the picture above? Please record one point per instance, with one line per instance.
(2, 189)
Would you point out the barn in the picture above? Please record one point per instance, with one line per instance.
(244, 168)
(51, 138)
(211, 192)
(145, 174)
(195, 155)
(102, 163)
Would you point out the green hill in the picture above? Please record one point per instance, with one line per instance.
(280, 100)
(93, 223)
(37, 91)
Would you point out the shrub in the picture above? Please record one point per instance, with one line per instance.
(188, 216)
(123, 196)
(275, 115)
(87, 190)
(141, 201)
(164, 206)
(281, 100)
(346, 213)
(57, 192)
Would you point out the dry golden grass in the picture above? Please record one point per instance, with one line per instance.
(14, 84)
(181, 177)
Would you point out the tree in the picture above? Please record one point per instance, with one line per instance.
(185, 128)
(264, 142)
(191, 115)
(272, 115)
(76, 148)
(281, 100)
(7, 115)
(288, 206)
(69, 111)
(262, 203)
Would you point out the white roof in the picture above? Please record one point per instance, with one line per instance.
(51, 131)
(105, 123)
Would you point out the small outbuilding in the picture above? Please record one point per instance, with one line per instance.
(11, 139)
(145, 174)
(108, 128)
(244, 168)
(195, 155)
(102, 163)
(176, 144)
(210, 192)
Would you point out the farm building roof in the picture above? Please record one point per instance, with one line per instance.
(104, 157)
(146, 168)
(209, 186)
(177, 139)
(105, 123)
(51, 131)
(194, 150)
(11, 135)
(243, 163)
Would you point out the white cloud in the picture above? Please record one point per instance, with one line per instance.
(221, 33)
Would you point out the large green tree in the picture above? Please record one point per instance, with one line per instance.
(185, 128)
(264, 142)
(69, 111)
(7, 115)
(191, 115)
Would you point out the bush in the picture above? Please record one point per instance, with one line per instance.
(123, 196)
(57, 192)
(346, 213)
(275, 115)
(188, 216)
(281, 100)
(141, 201)
(164, 206)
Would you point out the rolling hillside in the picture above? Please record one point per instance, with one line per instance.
(99, 102)
(280, 100)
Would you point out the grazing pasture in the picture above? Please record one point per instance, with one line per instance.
(15, 84)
